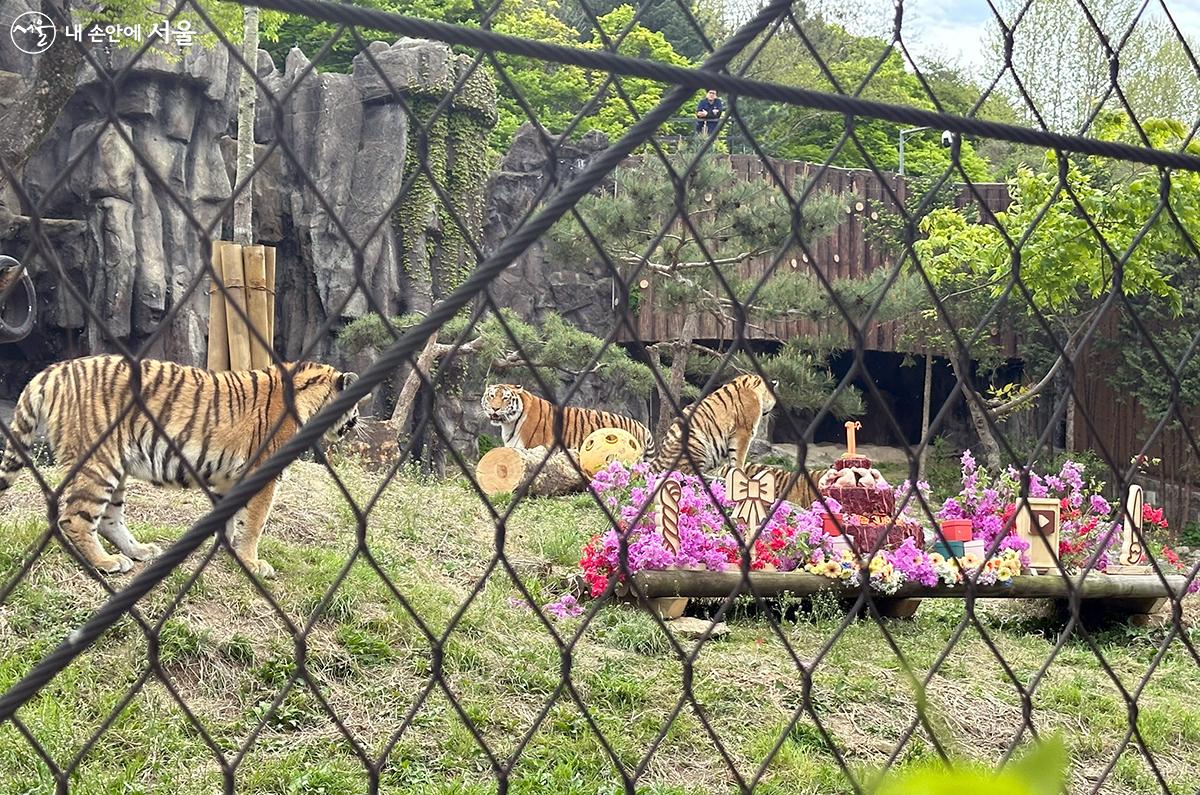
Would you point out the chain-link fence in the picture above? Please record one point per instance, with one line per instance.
(1009, 323)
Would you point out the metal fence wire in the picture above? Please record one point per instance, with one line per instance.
(70, 723)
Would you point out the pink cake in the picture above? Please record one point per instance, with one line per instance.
(868, 505)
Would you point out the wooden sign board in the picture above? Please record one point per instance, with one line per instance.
(1130, 559)
(1038, 520)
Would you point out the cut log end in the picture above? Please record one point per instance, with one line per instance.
(507, 469)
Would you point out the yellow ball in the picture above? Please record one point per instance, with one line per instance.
(605, 445)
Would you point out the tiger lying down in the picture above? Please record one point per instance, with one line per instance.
(216, 423)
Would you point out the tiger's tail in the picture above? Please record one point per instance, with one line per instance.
(22, 430)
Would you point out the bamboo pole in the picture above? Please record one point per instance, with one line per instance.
(270, 297)
(254, 259)
(218, 332)
(233, 272)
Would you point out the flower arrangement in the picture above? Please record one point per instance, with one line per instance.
(789, 539)
(794, 537)
(989, 507)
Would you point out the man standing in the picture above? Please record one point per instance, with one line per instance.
(708, 113)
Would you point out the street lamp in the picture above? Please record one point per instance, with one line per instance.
(909, 131)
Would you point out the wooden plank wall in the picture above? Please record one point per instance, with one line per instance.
(847, 252)
(1119, 426)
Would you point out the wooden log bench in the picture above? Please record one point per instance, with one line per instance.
(1103, 597)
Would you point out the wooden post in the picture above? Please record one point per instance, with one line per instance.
(270, 297)
(668, 514)
(218, 332)
(233, 274)
(1130, 559)
(254, 259)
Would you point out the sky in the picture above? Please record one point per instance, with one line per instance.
(957, 30)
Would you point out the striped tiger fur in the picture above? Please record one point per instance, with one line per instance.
(527, 420)
(719, 427)
(216, 422)
(790, 485)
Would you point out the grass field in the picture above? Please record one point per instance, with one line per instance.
(367, 658)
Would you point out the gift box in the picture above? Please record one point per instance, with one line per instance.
(832, 524)
(949, 549)
(840, 545)
(976, 548)
(956, 529)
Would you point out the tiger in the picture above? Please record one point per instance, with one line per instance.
(217, 423)
(719, 427)
(790, 485)
(527, 420)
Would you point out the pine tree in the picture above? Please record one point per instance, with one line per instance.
(690, 232)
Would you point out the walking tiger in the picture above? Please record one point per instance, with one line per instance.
(207, 427)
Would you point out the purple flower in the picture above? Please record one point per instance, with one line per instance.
(968, 462)
(565, 607)
(1100, 505)
(912, 563)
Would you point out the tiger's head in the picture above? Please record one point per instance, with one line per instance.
(316, 385)
(502, 403)
(765, 393)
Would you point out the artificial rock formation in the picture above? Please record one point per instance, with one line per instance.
(127, 206)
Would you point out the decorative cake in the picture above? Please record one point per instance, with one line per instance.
(867, 500)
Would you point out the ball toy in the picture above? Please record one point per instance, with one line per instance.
(605, 445)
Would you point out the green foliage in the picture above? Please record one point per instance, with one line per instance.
(695, 266)
(227, 17)
(1041, 771)
(803, 134)
(1063, 263)
(558, 350)
(558, 92)
(487, 442)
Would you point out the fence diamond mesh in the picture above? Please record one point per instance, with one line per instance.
(494, 216)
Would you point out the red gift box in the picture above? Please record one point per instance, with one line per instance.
(956, 529)
(830, 524)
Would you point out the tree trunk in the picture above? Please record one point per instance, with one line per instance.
(991, 449)
(402, 414)
(679, 360)
(243, 203)
(1186, 477)
(926, 400)
(506, 469)
(1069, 442)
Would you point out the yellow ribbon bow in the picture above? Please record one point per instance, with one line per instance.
(752, 497)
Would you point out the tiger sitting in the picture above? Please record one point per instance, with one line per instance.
(719, 427)
(528, 421)
(216, 423)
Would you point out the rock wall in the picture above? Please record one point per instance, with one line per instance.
(133, 196)
(534, 285)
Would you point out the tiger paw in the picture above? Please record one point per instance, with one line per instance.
(146, 551)
(116, 564)
(261, 568)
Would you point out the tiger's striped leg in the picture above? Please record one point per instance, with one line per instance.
(82, 507)
(739, 447)
(113, 527)
(245, 529)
